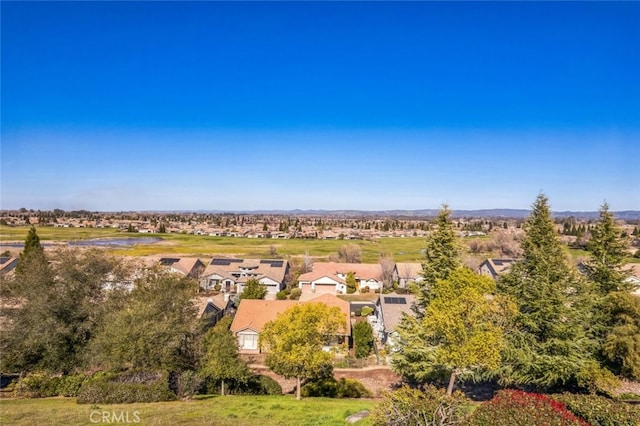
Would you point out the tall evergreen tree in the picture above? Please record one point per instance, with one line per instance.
(442, 256)
(549, 345)
(33, 252)
(608, 249)
(618, 315)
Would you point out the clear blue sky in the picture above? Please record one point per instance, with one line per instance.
(335, 105)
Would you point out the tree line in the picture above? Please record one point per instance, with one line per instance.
(542, 324)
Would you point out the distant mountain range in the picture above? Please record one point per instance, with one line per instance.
(497, 213)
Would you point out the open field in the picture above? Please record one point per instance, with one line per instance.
(402, 249)
(214, 410)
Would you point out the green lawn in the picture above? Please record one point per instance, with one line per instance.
(402, 249)
(215, 410)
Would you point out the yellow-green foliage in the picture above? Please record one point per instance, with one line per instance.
(464, 321)
(294, 340)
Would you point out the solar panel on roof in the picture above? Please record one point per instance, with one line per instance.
(168, 261)
(221, 262)
(395, 300)
(3, 259)
(235, 261)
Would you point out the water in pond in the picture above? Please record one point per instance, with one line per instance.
(99, 242)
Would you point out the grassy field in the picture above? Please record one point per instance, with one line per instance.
(215, 410)
(402, 249)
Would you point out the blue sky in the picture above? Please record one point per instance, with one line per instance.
(337, 105)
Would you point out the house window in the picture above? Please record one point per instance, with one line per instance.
(248, 341)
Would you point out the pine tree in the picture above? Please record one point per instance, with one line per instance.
(442, 256)
(32, 253)
(618, 314)
(549, 345)
(608, 249)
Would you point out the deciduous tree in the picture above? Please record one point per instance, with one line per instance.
(350, 253)
(460, 333)
(58, 309)
(295, 339)
(155, 329)
(221, 360)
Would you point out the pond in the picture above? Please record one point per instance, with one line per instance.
(115, 242)
(97, 242)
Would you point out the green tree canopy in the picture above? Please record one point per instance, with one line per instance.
(362, 339)
(59, 308)
(295, 339)
(621, 345)
(221, 360)
(155, 329)
(460, 333)
(253, 290)
(550, 344)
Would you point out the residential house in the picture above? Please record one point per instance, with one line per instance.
(188, 266)
(495, 267)
(253, 314)
(232, 274)
(213, 309)
(634, 276)
(330, 277)
(389, 312)
(408, 272)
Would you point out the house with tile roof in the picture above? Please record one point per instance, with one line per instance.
(408, 272)
(188, 266)
(495, 267)
(634, 277)
(232, 274)
(330, 277)
(253, 314)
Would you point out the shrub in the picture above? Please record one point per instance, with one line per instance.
(512, 407)
(325, 387)
(281, 295)
(188, 384)
(431, 406)
(351, 388)
(362, 339)
(69, 386)
(126, 388)
(366, 311)
(332, 388)
(600, 411)
(37, 385)
(256, 385)
(295, 294)
(596, 379)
